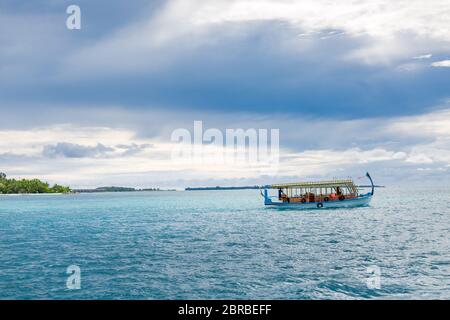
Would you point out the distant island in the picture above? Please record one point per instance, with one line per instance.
(118, 189)
(23, 186)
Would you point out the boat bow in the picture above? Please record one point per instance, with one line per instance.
(371, 182)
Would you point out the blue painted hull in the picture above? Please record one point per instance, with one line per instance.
(361, 201)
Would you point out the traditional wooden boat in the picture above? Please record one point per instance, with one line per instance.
(323, 194)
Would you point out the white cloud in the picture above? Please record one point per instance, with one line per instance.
(419, 158)
(443, 63)
(386, 29)
(424, 56)
(375, 18)
(431, 125)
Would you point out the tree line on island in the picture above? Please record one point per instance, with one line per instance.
(24, 186)
(13, 186)
(118, 189)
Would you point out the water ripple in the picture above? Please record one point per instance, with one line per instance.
(222, 245)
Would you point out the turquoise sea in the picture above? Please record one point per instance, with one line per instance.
(224, 245)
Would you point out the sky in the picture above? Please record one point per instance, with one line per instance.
(352, 86)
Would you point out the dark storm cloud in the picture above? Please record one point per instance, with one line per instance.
(72, 150)
(261, 67)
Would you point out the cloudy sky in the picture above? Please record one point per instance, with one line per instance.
(353, 86)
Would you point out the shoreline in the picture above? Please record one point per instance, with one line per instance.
(32, 194)
(83, 192)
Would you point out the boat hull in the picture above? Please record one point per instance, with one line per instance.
(361, 201)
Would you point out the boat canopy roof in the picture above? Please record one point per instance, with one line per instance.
(317, 184)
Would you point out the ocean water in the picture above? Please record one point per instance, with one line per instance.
(224, 245)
